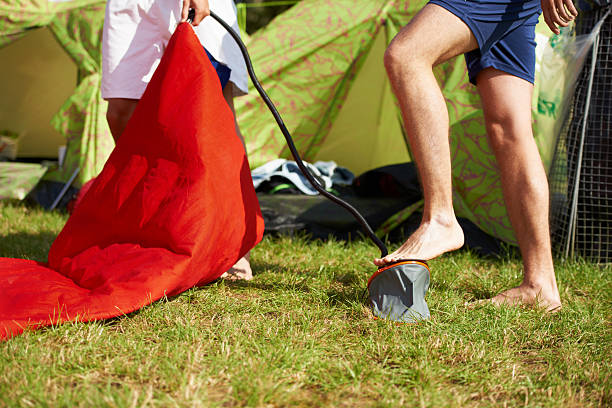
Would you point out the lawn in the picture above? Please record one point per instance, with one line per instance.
(301, 334)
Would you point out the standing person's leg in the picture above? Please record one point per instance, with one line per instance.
(118, 114)
(228, 94)
(242, 268)
(506, 101)
(433, 36)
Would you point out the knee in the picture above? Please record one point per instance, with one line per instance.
(117, 113)
(505, 133)
(505, 126)
(496, 132)
(400, 57)
(392, 60)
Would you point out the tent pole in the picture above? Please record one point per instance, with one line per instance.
(572, 225)
(65, 188)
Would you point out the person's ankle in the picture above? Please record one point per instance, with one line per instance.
(541, 287)
(443, 219)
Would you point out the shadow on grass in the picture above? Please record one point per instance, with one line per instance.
(259, 266)
(469, 289)
(339, 295)
(476, 293)
(32, 245)
(352, 294)
(345, 287)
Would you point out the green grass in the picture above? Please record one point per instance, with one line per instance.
(300, 334)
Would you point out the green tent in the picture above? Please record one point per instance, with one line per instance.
(322, 64)
(27, 30)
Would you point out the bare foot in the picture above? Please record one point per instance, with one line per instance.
(430, 240)
(240, 271)
(545, 297)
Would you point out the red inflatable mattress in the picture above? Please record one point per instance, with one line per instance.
(174, 207)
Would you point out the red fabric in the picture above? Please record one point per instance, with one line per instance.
(173, 208)
(76, 201)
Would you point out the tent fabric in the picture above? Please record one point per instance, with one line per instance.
(77, 26)
(82, 118)
(18, 179)
(321, 62)
(16, 16)
(174, 207)
(308, 70)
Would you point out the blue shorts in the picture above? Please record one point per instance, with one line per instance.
(223, 71)
(505, 31)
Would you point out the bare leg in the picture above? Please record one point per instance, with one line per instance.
(242, 268)
(228, 94)
(506, 101)
(409, 61)
(118, 114)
